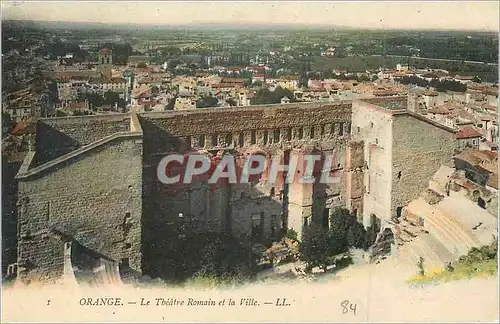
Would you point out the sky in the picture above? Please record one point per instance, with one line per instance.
(462, 15)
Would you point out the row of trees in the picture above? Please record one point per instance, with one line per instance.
(441, 86)
(187, 253)
(320, 246)
(265, 96)
(330, 75)
(184, 252)
(207, 102)
(96, 100)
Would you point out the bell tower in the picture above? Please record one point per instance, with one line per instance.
(105, 63)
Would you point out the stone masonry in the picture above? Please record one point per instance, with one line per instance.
(402, 151)
(93, 179)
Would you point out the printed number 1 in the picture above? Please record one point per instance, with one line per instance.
(346, 306)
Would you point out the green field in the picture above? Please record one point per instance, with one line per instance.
(482, 269)
(355, 63)
(362, 63)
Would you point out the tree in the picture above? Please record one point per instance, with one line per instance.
(142, 65)
(60, 113)
(356, 235)
(319, 246)
(111, 98)
(172, 64)
(315, 248)
(291, 234)
(95, 100)
(171, 104)
(207, 102)
(82, 113)
(265, 96)
(257, 83)
(231, 102)
(188, 253)
(6, 122)
(476, 79)
(363, 78)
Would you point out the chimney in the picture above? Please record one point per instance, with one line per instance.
(412, 104)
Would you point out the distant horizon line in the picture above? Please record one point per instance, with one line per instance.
(248, 25)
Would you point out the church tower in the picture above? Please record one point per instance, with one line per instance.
(105, 63)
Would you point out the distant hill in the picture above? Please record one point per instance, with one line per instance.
(203, 26)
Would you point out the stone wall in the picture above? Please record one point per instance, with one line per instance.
(94, 197)
(243, 126)
(372, 125)
(420, 147)
(274, 129)
(59, 136)
(354, 179)
(108, 198)
(9, 212)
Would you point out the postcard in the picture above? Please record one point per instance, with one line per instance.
(250, 161)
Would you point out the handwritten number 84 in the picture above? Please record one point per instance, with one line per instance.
(346, 306)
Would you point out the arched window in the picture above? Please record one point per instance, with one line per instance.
(399, 212)
(228, 139)
(253, 137)
(241, 140)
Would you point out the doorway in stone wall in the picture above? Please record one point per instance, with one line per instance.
(326, 218)
(399, 213)
(257, 227)
(481, 203)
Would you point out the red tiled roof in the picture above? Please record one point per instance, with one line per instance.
(78, 105)
(490, 107)
(233, 80)
(491, 144)
(256, 68)
(385, 92)
(19, 129)
(467, 132)
(225, 85)
(105, 51)
(487, 118)
(466, 183)
(289, 78)
(493, 181)
(489, 154)
(315, 90)
(429, 93)
(114, 80)
(438, 110)
(463, 77)
(144, 70)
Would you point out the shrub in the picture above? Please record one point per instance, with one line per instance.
(292, 235)
(207, 255)
(420, 265)
(357, 235)
(320, 247)
(315, 248)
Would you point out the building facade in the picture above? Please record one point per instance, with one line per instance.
(402, 151)
(123, 213)
(105, 66)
